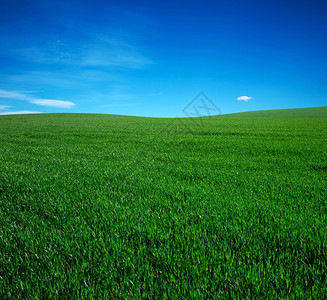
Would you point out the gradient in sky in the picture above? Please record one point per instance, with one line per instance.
(151, 58)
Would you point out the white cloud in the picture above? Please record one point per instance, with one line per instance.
(17, 95)
(52, 103)
(3, 107)
(244, 98)
(20, 112)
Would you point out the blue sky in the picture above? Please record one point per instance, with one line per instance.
(151, 58)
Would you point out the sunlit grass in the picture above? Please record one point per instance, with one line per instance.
(99, 206)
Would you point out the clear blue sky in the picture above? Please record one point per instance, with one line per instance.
(150, 58)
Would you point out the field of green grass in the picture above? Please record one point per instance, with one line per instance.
(113, 207)
(311, 112)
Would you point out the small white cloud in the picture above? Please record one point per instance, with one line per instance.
(20, 112)
(17, 95)
(244, 98)
(53, 103)
(3, 107)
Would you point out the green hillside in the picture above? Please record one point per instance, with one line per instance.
(311, 112)
(113, 207)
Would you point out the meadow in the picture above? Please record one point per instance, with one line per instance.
(116, 207)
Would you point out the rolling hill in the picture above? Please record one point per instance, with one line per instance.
(105, 206)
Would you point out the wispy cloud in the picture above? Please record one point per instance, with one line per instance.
(42, 55)
(3, 107)
(119, 96)
(244, 98)
(17, 95)
(111, 52)
(89, 79)
(117, 105)
(96, 52)
(20, 112)
(12, 95)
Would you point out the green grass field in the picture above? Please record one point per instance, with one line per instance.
(113, 207)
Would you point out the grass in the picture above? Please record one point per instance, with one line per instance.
(311, 112)
(102, 206)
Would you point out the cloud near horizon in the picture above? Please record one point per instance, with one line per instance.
(20, 112)
(26, 96)
(244, 98)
